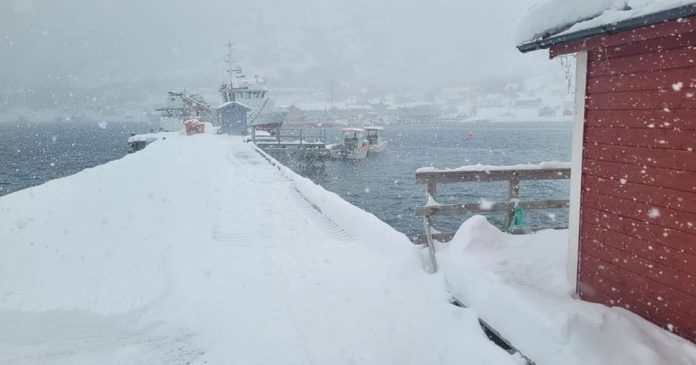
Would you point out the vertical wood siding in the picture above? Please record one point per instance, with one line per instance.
(638, 218)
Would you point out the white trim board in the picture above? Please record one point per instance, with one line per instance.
(576, 170)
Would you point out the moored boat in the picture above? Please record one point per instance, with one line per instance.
(375, 139)
(354, 146)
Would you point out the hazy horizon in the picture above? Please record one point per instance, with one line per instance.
(375, 46)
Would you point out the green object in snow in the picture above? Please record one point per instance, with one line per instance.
(517, 219)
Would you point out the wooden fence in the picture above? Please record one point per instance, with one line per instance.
(291, 138)
(513, 176)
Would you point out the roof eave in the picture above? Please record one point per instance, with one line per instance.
(621, 26)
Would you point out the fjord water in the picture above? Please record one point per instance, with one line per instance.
(385, 185)
(31, 154)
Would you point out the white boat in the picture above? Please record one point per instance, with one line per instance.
(375, 139)
(354, 146)
(251, 93)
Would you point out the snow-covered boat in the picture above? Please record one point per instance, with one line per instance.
(137, 142)
(375, 139)
(354, 146)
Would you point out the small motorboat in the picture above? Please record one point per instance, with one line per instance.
(375, 139)
(354, 146)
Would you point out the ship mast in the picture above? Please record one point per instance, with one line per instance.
(230, 61)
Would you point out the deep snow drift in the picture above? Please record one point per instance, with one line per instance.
(198, 250)
(518, 284)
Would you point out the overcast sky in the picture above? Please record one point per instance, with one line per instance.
(363, 44)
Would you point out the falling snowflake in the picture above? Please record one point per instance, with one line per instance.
(653, 213)
(485, 204)
(677, 86)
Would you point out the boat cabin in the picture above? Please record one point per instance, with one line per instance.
(633, 186)
(374, 134)
(352, 135)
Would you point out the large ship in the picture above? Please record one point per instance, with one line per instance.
(248, 92)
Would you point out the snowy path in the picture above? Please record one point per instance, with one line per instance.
(197, 250)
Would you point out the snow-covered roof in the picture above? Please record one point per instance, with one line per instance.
(233, 102)
(552, 22)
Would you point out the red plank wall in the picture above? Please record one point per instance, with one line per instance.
(638, 200)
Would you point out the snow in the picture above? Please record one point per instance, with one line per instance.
(431, 202)
(479, 167)
(149, 138)
(654, 213)
(485, 204)
(518, 284)
(233, 102)
(552, 16)
(199, 249)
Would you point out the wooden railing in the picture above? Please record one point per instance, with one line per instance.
(284, 138)
(513, 176)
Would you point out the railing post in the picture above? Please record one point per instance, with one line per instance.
(513, 193)
(301, 145)
(253, 135)
(432, 192)
(432, 188)
(430, 243)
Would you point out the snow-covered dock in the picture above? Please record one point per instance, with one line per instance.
(198, 250)
(202, 249)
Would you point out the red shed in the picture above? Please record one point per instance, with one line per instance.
(633, 186)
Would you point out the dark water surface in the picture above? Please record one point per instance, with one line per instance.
(384, 185)
(31, 153)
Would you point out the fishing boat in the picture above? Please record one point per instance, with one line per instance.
(250, 93)
(354, 146)
(375, 139)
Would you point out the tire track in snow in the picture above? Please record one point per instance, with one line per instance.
(325, 229)
(329, 227)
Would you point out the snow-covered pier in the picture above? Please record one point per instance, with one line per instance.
(203, 249)
(199, 250)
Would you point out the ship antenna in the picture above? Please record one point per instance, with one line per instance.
(230, 61)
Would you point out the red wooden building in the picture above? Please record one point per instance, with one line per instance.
(633, 186)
